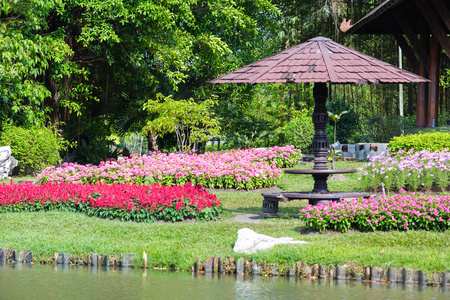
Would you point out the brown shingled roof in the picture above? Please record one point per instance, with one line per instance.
(320, 60)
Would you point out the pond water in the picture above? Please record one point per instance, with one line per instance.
(19, 281)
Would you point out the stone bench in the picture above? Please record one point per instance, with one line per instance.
(319, 195)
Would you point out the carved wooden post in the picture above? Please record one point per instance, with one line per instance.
(320, 141)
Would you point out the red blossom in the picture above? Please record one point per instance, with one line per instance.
(115, 196)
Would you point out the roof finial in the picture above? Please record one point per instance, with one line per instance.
(345, 25)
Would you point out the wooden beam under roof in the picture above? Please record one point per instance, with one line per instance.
(412, 36)
(443, 11)
(430, 15)
(407, 50)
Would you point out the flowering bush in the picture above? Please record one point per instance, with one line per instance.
(432, 141)
(239, 169)
(409, 170)
(116, 201)
(400, 212)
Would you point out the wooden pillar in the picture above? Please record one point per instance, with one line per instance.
(433, 86)
(421, 107)
(410, 99)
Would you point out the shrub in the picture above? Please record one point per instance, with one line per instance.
(382, 129)
(247, 131)
(299, 131)
(35, 149)
(348, 127)
(99, 144)
(413, 211)
(433, 141)
(251, 139)
(127, 202)
(96, 151)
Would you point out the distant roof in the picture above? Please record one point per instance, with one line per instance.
(320, 60)
(379, 20)
(382, 27)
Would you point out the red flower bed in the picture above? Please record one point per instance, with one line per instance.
(116, 201)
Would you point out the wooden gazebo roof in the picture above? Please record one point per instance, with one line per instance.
(421, 28)
(398, 17)
(320, 60)
(383, 14)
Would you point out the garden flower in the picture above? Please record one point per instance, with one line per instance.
(254, 168)
(123, 201)
(363, 214)
(411, 170)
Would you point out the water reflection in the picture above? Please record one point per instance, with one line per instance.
(25, 281)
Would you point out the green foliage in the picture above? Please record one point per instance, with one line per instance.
(35, 148)
(98, 150)
(100, 147)
(192, 122)
(443, 117)
(299, 131)
(256, 116)
(256, 138)
(383, 129)
(35, 61)
(433, 141)
(59, 57)
(347, 130)
(335, 118)
(445, 78)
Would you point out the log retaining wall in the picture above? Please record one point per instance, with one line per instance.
(245, 266)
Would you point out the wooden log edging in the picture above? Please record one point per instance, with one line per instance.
(93, 259)
(243, 266)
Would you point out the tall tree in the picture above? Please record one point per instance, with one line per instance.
(61, 55)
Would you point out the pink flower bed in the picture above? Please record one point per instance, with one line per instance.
(405, 211)
(239, 169)
(114, 201)
(408, 170)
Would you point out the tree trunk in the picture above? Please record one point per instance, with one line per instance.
(151, 141)
(52, 101)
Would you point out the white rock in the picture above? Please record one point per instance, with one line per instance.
(249, 242)
(7, 162)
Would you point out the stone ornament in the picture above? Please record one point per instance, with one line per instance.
(7, 162)
(249, 242)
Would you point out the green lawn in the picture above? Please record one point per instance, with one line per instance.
(178, 244)
(17, 179)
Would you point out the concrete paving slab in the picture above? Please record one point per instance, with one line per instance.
(248, 218)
